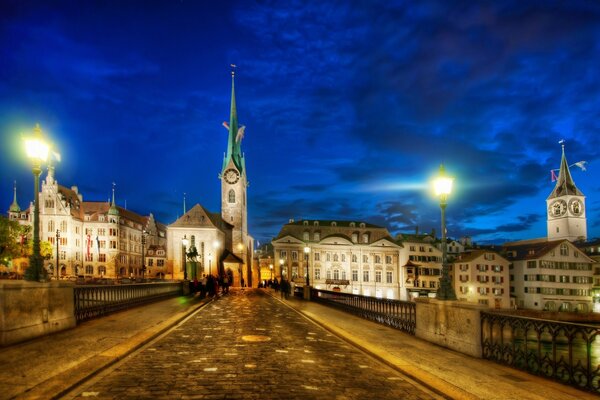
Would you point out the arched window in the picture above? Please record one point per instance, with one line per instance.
(89, 270)
(51, 226)
(564, 249)
(305, 236)
(232, 196)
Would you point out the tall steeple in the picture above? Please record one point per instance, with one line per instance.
(14, 207)
(234, 141)
(564, 183)
(566, 218)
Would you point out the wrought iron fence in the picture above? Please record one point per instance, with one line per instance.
(94, 301)
(563, 351)
(395, 313)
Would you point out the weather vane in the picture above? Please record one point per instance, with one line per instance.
(233, 67)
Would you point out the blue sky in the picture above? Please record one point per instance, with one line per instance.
(350, 107)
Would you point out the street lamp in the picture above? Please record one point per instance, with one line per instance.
(443, 187)
(144, 233)
(216, 245)
(307, 287)
(37, 151)
(271, 268)
(184, 243)
(57, 240)
(281, 268)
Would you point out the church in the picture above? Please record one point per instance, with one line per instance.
(201, 242)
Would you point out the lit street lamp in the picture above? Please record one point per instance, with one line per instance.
(216, 245)
(57, 240)
(307, 287)
(144, 233)
(281, 268)
(271, 267)
(443, 187)
(37, 151)
(184, 243)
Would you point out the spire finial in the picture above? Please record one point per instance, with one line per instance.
(184, 202)
(14, 207)
(113, 193)
(233, 67)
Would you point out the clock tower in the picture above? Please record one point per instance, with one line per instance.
(234, 183)
(565, 207)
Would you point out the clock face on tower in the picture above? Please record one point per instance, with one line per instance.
(576, 207)
(231, 176)
(557, 208)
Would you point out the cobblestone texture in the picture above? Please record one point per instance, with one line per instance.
(247, 345)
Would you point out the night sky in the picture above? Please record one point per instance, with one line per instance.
(349, 107)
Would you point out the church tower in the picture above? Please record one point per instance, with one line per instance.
(234, 182)
(566, 207)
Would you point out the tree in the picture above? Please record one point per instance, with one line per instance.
(12, 239)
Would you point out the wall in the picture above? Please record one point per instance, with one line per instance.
(32, 309)
(452, 324)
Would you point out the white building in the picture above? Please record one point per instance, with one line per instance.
(346, 256)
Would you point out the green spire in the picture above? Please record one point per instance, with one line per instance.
(113, 210)
(234, 142)
(14, 207)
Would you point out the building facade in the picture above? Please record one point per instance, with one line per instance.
(344, 256)
(482, 277)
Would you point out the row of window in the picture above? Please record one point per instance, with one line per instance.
(558, 291)
(337, 257)
(424, 258)
(482, 291)
(483, 279)
(558, 278)
(561, 265)
(341, 274)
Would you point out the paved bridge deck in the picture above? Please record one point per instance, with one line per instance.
(251, 345)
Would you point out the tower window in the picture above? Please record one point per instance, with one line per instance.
(232, 196)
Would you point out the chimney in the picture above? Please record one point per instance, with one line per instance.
(417, 230)
(433, 232)
(291, 221)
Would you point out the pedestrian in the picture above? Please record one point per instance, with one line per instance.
(203, 286)
(242, 283)
(225, 284)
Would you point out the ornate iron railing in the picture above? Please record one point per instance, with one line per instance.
(563, 351)
(395, 313)
(97, 300)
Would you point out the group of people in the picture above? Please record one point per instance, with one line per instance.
(284, 286)
(210, 285)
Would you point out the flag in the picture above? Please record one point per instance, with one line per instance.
(553, 175)
(581, 164)
(88, 246)
(240, 134)
(97, 244)
(226, 125)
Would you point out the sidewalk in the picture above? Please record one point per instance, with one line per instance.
(47, 367)
(445, 371)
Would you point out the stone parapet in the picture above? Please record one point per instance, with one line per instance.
(452, 324)
(32, 309)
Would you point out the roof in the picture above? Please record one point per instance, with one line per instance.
(564, 183)
(473, 255)
(342, 229)
(530, 250)
(229, 257)
(198, 216)
(340, 223)
(234, 143)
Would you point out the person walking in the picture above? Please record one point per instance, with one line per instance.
(225, 284)
(242, 281)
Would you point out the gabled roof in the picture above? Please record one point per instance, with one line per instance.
(339, 223)
(534, 250)
(198, 216)
(564, 183)
(469, 256)
(229, 257)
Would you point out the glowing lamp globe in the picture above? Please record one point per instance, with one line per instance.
(35, 146)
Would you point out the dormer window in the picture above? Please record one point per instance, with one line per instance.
(362, 225)
(316, 223)
(305, 236)
(352, 224)
(305, 223)
(334, 223)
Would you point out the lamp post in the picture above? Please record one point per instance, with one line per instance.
(37, 151)
(144, 233)
(57, 244)
(443, 188)
(281, 268)
(307, 287)
(184, 243)
(271, 268)
(216, 245)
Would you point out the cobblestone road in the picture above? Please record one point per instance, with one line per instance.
(248, 345)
